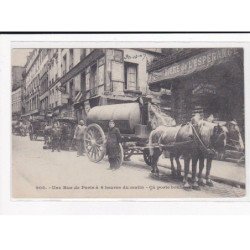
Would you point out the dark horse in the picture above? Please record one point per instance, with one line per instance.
(187, 140)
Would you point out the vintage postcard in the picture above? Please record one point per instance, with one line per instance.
(127, 122)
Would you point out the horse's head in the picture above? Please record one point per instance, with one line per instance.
(234, 138)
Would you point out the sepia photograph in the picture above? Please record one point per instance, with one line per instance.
(128, 122)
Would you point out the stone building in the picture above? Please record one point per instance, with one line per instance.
(105, 76)
(35, 70)
(65, 82)
(17, 80)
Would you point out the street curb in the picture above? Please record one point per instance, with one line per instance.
(216, 178)
(219, 179)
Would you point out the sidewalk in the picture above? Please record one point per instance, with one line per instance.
(226, 172)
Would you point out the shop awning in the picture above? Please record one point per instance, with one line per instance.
(164, 77)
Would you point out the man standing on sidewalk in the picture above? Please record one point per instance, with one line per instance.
(79, 136)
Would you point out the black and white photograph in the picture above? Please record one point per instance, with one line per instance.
(163, 122)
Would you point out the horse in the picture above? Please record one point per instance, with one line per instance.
(233, 139)
(215, 141)
(190, 141)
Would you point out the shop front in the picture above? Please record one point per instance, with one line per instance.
(210, 83)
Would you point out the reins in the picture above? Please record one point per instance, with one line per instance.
(207, 150)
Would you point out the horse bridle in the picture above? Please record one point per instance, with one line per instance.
(208, 150)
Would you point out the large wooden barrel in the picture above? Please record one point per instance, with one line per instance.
(125, 115)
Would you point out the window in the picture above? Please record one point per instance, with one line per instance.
(71, 58)
(83, 82)
(93, 72)
(64, 66)
(71, 88)
(118, 55)
(83, 54)
(131, 76)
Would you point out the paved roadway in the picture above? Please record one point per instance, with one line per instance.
(39, 173)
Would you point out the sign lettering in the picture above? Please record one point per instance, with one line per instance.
(191, 65)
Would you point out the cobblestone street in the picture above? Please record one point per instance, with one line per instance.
(39, 173)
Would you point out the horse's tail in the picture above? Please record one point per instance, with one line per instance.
(151, 150)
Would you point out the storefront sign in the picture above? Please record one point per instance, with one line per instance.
(203, 89)
(196, 63)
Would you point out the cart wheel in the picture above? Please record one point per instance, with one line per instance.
(94, 142)
(147, 157)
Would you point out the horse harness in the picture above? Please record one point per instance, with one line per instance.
(209, 151)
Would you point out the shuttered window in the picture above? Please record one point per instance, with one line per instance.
(131, 76)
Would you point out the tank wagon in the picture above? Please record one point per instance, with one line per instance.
(134, 123)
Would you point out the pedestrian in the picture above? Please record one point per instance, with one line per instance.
(46, 133)
(113, 144)
(31, 130)
(56, 136)
(79, 136)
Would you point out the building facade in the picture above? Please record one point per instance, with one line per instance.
(105, 76)
(17, 91)
(16, 103)
(66, 82)
(32, 83)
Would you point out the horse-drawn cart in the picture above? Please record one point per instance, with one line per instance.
(19, 128)
(36, 129)
(135, 122)
(67, 125)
